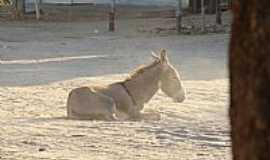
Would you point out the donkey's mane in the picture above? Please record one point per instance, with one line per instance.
(140, 70)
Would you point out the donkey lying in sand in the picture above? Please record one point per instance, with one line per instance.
(128, 96)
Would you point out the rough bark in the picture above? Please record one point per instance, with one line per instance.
(250, 80)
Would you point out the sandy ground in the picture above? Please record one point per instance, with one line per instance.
(33, 125)
(41, 62)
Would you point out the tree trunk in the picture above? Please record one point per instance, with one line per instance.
(250, 80)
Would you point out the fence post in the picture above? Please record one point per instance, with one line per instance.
(37, 9)
(179, 14)
(203, 15)
(19, 6)
(112, 17)
(218, 13)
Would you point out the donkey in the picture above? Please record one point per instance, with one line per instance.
(128, 96)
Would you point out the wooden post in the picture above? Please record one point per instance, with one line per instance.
(212, 6)
(218, 13)
(230, 4)
(37, 9)
(19, 8)
(194, 6)
(179, 14)
(112, 17)
(203, 16)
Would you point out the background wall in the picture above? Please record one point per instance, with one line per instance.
(138, 2)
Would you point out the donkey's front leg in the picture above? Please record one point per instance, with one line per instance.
(135, 113)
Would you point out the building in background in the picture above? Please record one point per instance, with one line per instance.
(28, 5)
(20, 7)
(210, 5)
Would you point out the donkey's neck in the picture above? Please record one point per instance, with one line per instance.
(144, 86)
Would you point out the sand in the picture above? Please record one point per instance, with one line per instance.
(33, 125)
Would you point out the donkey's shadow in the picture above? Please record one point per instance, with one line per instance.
(40, 119)
(151, 116)
(148, 115)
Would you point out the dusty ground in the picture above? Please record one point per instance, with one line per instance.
(41, 62)
(33, 125)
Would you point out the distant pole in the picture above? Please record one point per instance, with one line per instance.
(179, 14)
(112, 17)
(37, 9)
(203, 15)
(194, 6)
(218, 13)
(20, 8)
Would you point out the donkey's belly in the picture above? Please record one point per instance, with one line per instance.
(84, 104)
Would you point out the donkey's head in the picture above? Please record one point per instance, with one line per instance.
(170, 80)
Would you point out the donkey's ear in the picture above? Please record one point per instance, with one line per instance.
(155, 56)
(163, 56)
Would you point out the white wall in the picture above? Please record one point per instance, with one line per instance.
(154, 2)
(134, 2)
(68, 1)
